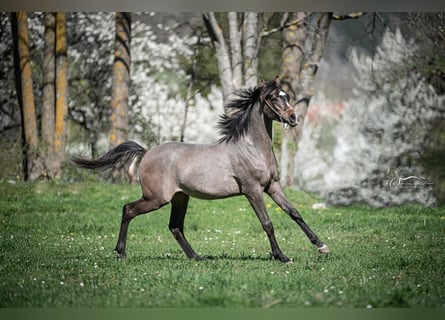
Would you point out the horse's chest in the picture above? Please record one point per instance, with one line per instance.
(256, 169)
(265, 173)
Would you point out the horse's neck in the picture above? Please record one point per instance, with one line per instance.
(269, 127)
(260, 132)
(261, 127)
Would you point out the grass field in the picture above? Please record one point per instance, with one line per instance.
(57, 241)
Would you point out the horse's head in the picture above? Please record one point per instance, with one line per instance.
(276, 102)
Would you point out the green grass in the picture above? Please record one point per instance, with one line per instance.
(56, 243)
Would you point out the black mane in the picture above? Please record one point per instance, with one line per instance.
(235, 123)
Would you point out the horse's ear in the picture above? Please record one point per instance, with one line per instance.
(263, 86)
(277, 80)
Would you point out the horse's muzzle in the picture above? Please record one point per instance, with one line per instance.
(293, 120)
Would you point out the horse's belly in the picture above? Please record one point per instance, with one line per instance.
(210, 186)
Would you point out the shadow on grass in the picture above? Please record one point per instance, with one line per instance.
(227, 257)
(204, 258)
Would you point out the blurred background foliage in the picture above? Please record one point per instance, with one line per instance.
(378, 105)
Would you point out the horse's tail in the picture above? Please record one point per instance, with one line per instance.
(116, 157)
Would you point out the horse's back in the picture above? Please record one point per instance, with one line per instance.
(199, 170)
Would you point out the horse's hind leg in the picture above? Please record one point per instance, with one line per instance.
(130, 211)
(176, 225)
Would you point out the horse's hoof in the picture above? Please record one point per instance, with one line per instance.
(282, 258)
(323, 249)
(198, 258)
(288, 262)
(120, 255)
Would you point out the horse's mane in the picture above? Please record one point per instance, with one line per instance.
(234, 124)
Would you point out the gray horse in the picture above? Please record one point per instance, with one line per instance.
(242, 162)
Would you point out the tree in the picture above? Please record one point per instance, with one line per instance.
(44, 150)
(380, 136)
(238, 62)
(121, 79)
(173, 73)
(304, 46)
(251, 43)
(298, 69)
(11, 159)
(61, 92)
(428, 31)
(305, 36)
(25, 94)
(91, 71)
(49, 90)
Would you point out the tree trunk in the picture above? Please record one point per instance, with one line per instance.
(235, 50)
(61, 92)
(239, 67)
(24, 87)
(188, 97)
(48, 112)
(121, 79)
(298, 71)
(293, 55)
(222, 55)
(251, 44)
(310, 68)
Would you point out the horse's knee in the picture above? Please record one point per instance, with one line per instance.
(176, 232)
(295, 215)
(268, 227)
(128, 213)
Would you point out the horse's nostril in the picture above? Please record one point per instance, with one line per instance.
(293, 118)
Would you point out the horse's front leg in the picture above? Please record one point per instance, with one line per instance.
(276, 193)
(257, 203)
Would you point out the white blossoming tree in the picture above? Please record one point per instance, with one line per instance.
(158, 90)
(158, 79)
(378, 140)
(91, 40)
